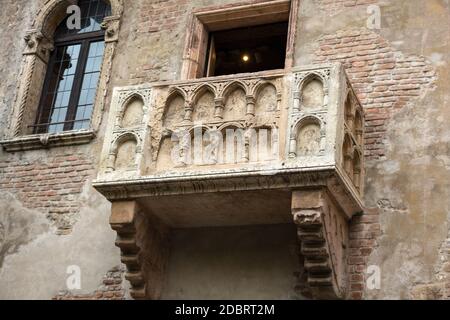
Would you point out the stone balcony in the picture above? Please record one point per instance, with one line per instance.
(252, 149)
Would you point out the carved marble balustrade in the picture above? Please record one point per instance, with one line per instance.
(263, 148)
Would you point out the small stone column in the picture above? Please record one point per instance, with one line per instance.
(251, 106)
(219, 107)
(297, 101)
(188, 111)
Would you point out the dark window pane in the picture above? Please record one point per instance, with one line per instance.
(80, 113)
(88, 111)
(89, 85)
(97, 63)
(92, 14)
(73, 72)
(91, 96)
(93, 49)
(60, 85)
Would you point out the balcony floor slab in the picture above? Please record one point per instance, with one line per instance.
(222, 209)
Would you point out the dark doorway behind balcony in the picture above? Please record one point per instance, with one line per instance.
(249, 49)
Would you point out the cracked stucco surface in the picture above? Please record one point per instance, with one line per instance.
(37, 269)
(409, 185)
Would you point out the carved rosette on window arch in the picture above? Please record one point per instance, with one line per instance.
(245, 104)
(36, 55)
(353, 142)
(307, 129)
(129, 131)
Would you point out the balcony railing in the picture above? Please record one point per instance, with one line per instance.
(225, 151)
(306, 119)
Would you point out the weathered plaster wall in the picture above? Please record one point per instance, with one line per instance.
(405, 228)
(233, 263)
(50, 217)
(156, 31)
(15, 18)
(35, 259)
(404, 88)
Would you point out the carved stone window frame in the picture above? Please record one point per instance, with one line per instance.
(36, 55)
(252, 13)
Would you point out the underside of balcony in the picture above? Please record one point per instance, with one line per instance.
(294, 159)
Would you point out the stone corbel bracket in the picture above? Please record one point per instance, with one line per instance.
(323, 235)
(143, 244)
(123, 221)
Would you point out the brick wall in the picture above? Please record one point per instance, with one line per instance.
(160, 32)
(385, 80)
(111, 288)
(363, 233)
(51, 185)
(160, 15)
(334, 6)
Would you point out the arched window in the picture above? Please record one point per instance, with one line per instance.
(73, 72)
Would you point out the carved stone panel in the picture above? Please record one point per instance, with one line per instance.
(126, 155)
(174, 113)
(308, 140)
(248, 106)
(204, 107)
(235, 105)
(266, 100)
(353, 144)
(313, 95)
(127, 133)
(308, 115)
(134, 113)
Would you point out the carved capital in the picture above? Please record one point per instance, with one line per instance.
(38, 44)
(111, 25)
